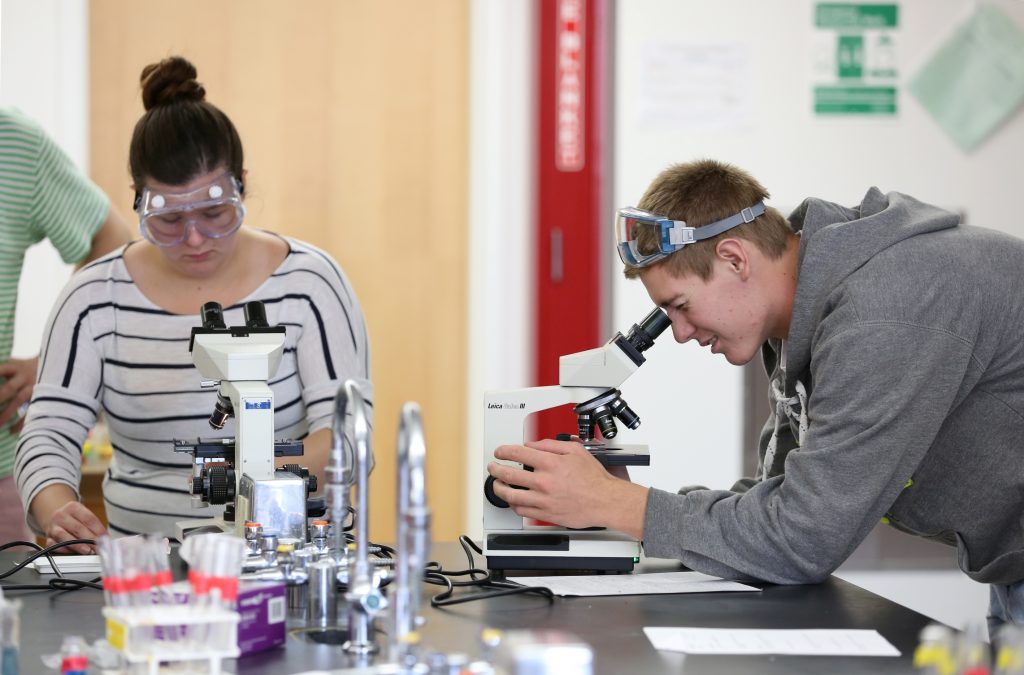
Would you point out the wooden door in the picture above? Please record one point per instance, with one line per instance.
(354, 118)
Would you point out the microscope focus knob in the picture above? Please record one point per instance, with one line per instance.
(222, 484)
(490, 495)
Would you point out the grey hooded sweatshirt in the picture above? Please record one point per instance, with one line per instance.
(905, 361)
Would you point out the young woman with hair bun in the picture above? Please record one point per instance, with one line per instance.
(117, 339)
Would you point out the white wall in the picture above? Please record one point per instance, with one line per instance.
(44, 71)
(500, 219)
(691, 403)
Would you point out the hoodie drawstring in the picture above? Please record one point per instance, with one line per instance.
(785, 407)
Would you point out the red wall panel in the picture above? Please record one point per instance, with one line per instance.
(573, 140)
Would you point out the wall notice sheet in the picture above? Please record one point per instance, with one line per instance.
(634, 584)
(805, 642)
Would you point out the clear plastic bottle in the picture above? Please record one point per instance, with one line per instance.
(974, 656)
(936, 650)
(1009, 650)
(74, 658)
(10, 628)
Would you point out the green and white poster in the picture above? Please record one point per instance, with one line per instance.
(975, 81)
(855, 65)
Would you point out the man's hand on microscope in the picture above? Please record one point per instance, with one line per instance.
(567, 486)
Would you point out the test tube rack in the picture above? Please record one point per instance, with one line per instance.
(205, 636)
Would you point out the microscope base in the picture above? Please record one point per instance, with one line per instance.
(184, 528)
(583, 565)
(559, 549)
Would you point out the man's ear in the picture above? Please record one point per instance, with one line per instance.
(733, 252)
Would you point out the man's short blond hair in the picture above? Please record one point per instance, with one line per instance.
(704, 192)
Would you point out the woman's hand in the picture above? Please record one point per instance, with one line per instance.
(62, 518)
(74, 521)
(20, 379)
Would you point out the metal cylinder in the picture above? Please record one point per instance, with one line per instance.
(298, 593)
(253, 538)
(323, 594)
(268, 547)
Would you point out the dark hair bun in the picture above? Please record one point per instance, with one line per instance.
(170, 80)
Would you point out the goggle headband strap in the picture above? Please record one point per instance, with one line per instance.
(676, 233)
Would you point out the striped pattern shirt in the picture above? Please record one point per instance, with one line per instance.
(108, 347)
(43, 195)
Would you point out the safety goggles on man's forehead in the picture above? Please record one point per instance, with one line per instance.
(214, 209)
(643, 238)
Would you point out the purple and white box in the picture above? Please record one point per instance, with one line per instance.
(262, 608)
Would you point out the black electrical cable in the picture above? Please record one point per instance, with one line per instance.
(12, 544)
(43, 552)
(65, 584)
(350, 512)
(37, 547)
(59, 582)
(495, 588)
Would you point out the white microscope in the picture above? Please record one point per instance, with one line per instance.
(590, 380)
(240, 472)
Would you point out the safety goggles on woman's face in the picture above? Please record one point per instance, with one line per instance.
(643, 238)
(215, 210)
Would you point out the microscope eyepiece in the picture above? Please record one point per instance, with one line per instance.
(212, 315)
(654, 324)
(256, 315)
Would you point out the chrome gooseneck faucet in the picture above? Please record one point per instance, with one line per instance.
(340, 474)
(413, 540)
(364, 598)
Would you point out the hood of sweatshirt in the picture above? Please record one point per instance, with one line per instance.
(834, 242)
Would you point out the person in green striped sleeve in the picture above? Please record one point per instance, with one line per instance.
(43, 195)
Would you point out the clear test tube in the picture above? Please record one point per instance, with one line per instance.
(200, 556)
(162, 580)
(133, 556)
(109, 570)
(229, 560)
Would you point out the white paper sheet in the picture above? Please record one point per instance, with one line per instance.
(634, 584)
(808, 642)
(68, 564)
(686, 86)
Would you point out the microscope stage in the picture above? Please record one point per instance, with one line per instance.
(620, 455)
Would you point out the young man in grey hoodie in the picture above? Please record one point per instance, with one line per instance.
(892, 335)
